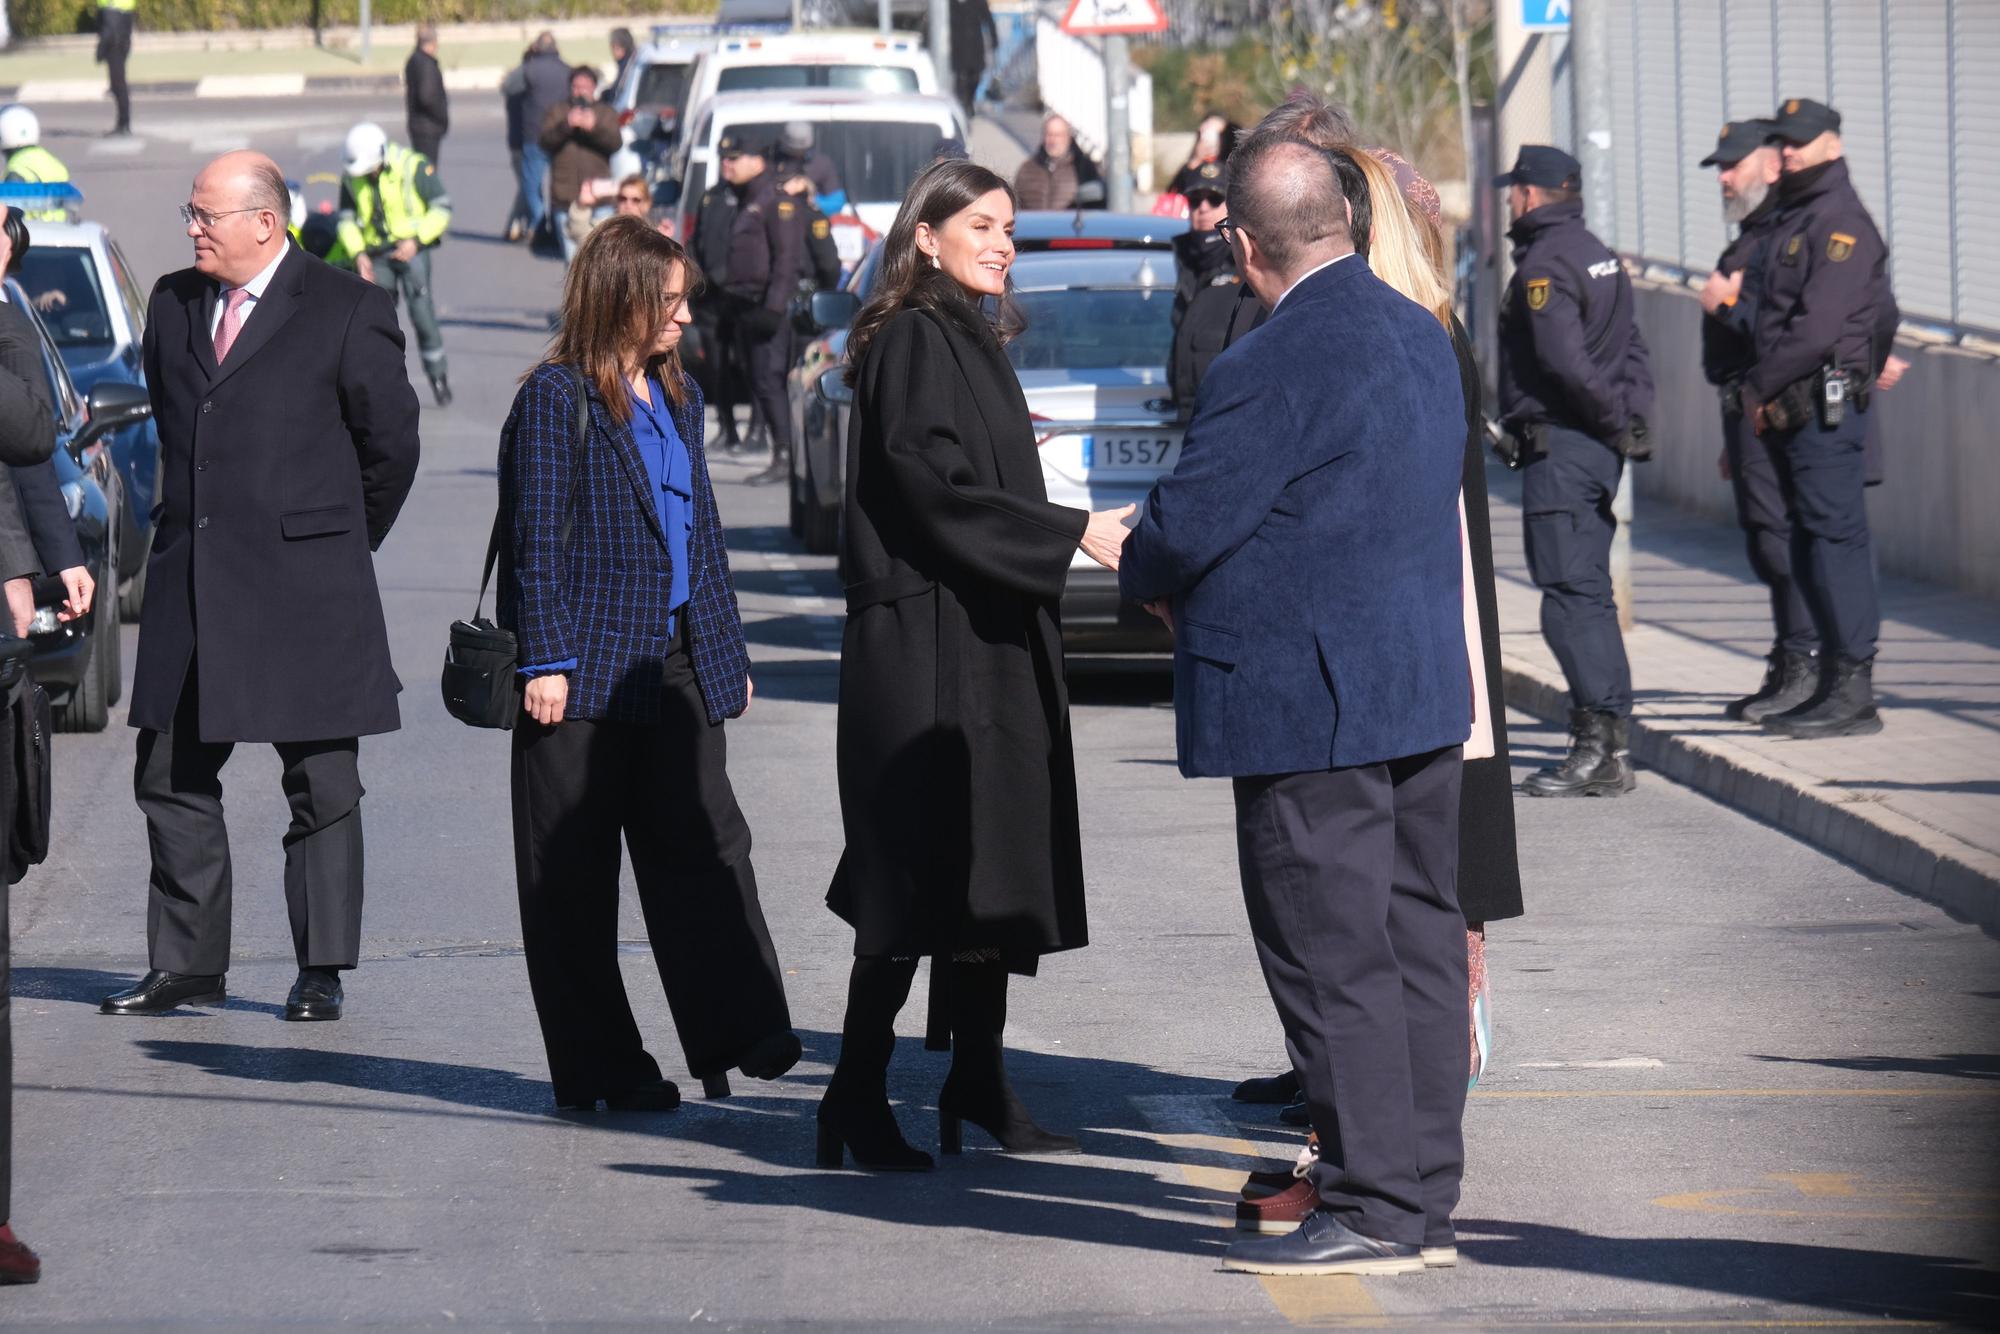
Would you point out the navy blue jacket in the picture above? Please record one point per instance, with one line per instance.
(604, 599)
(1570, 353)
(1825, 288)
(1728, 342)
(1309, 540)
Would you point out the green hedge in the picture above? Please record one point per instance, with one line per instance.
(51, 18)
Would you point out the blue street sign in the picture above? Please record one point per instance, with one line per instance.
(1545, 15)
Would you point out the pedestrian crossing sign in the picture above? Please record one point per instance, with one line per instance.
(1545, 15)
(1109, 18)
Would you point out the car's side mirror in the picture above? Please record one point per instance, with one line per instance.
(1090, 194)
(834, 310)
(114, 405)
(667, 194)
(833, 388)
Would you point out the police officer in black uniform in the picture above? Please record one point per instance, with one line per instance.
(1824, 317)
(714, 364)
(1212, 307)
(766, 257)
(1574, 392)
(1749, 169)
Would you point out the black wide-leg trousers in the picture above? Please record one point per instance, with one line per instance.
(577, 788)
(1350, 877)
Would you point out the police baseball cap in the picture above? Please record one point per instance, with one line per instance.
(735, 145)
(1801, 120)
(1543, 165)
(1736, 141)
(1210, 178)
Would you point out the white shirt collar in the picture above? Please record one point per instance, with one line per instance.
(1307, 274)
(255, 287)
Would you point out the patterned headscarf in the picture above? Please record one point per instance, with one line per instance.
(1423, 196)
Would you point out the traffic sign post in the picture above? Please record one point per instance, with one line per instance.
(1113, 18)
(1116, 21)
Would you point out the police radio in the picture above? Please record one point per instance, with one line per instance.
(1833, 396)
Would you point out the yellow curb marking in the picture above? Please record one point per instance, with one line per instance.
(1825, 1194)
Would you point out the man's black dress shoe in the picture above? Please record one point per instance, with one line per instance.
(1296, 1112)
(1278, 1089)
(160, 991)
(659, 1095)
(772, 1055)
(315, 996)
(1322, 1244)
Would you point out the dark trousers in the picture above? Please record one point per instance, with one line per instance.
(114, 48)
(427, 139)
(1831, 557)
(765, 363)
(178, 784)
(1761, 477)
(1350, 878)
(413, 280)
(719, 371)
(579, 786)
(1566, 494)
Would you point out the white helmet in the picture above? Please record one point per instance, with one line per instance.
(367, 146)
(19, 127)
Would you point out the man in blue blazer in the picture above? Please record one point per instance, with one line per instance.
(1306, 552)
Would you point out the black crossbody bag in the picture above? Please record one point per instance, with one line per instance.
(482, 661)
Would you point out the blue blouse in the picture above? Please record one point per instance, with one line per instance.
(670, 473)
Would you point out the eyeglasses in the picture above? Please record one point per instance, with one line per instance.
(202, 218)
(1227, 230)
(1204, 199)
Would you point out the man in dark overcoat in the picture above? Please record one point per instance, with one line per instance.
(288, 434)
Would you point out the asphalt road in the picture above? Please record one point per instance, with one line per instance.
(1736, 1082)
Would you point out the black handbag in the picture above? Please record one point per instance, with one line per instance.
(28, 834)
(481, 681)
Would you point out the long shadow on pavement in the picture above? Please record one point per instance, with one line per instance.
(1874, 1283)
(89, 986)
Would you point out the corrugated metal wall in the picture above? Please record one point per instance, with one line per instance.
(1917, 83)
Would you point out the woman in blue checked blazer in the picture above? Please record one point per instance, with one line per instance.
(614, 579)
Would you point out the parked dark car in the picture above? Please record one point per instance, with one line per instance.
(79, 662)
(96, 311)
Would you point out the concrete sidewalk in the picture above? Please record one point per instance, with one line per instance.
(1917, 805)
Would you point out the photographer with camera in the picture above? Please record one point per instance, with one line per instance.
(1574, 391)
(579, 136)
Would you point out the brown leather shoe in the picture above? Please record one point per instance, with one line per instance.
(18, 1264)
(1280, 1213)
(1266, 1182)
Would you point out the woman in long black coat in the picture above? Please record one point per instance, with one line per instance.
(957, 784)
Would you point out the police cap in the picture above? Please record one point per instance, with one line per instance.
(1801, 120)
(1738, 140)
(1210, 178)
(1543, 165)
(735, 145)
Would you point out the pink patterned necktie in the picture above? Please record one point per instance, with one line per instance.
(232, 322)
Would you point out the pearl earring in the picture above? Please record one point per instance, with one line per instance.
(934, 262)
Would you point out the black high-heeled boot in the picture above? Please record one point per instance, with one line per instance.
(977, 1090)
(854, 1116)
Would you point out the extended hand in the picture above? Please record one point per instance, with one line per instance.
(406, 249)
(545, 698)
(81, 590)
(1104, 539)
(1892, 371)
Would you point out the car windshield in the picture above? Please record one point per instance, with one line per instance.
(661, 86)
(876, 159)
(62, 282)
(866, 78)
(1094, 329)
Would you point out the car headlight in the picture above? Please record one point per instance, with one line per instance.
(72, 494)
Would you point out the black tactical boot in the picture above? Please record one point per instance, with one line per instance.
(1791, 680)
(441, 390)
(1844, 705)
(1598, 763)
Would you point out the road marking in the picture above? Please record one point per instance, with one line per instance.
(1193, 1129)
(1486, 1094)
(61, 90)
(1831, 1196)
(1615, 1063)
(251, 85)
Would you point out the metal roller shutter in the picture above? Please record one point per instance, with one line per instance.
(1918, 76)
(1975, 171)
(1625, 145)
(1855, 90)
(1703, 56)
(1749, 75)
(1656, 148)
(1800, 48)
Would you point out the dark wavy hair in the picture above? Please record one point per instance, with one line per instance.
(16, 226)
(941, 191)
